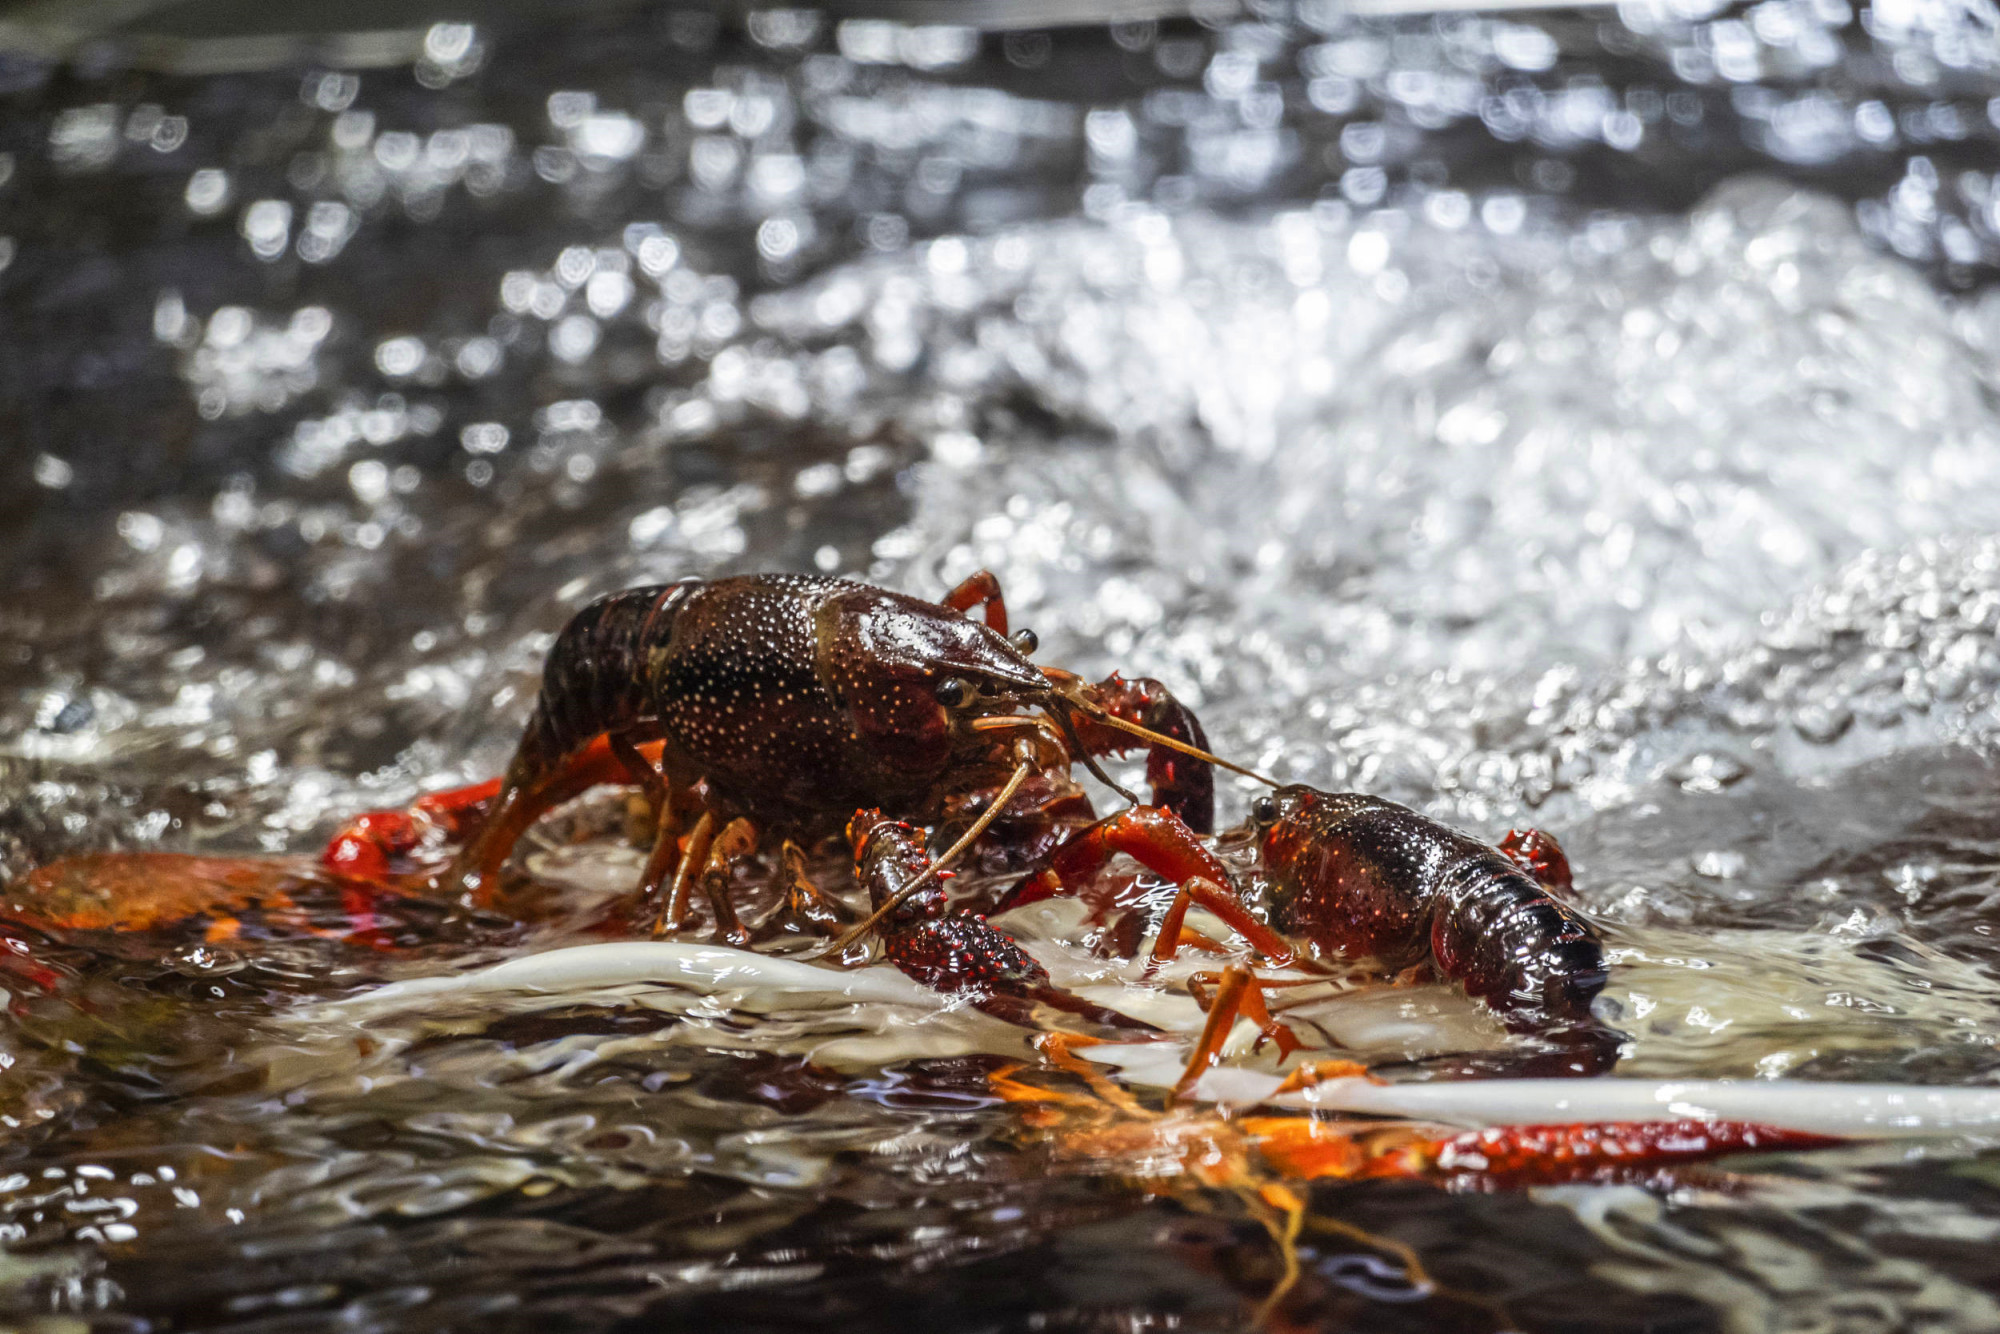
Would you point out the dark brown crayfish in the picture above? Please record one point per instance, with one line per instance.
(1345, 874)
(788, 703)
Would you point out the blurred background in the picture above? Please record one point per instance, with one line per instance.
(1584, 414)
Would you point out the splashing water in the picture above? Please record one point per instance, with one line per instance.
(1582, 416)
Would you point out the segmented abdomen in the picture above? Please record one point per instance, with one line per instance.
(596, 679)
(1360, 875)
(1501, 936)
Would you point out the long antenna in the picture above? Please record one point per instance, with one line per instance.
(1071, 691)
(1159, 739)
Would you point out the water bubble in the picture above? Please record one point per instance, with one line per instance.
(574, 337)
(483, 438)
(141, 531)
(52, 472)
(400, 357)
(207, 192)
(601, 141)
(568, 109)
(85, 138)
(1719, 864)
(267, 226)
(1708, 771)
(777, 238)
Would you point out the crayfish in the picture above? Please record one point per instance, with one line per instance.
(794, 704)
(1342, 874)
(1268, 1160)
(799, 703)
(798, 707)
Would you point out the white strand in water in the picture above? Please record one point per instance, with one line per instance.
(637, 963)
(1868, 1110)
(1863, 1110)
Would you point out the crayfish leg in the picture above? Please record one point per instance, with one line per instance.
(1160, 841)
(737, 840)
(693, 858)
(949, 949)
(529, 792)
(1214, 896)
(664, 858)
(1239, 993)
(367, 845)
(1018, 1007)
(980, 589)
(803, 906)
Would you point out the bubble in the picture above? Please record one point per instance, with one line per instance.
(207, 191)
(267, 226)
(52, 472)
(574, 337)
(400, 357)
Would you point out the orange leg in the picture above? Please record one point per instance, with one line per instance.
(982, 588)
(1161, 842)
(366, 844)
(1318, 1072)
(1224, 904)
(737, 839)
(1221, 1018)
(665, 858)
(524, 799)
(805, 906)
(1238, 993)
(1155, 838)
(694, 855)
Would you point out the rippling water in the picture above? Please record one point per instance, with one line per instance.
(1586, 417)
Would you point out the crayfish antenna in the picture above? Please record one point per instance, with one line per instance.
(1069, 688)
(1082, 752)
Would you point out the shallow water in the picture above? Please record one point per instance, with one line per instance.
(1586, 419)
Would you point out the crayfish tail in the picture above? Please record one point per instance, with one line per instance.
(596, 679)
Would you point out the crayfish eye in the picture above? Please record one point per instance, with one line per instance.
(1264, 811)
(952, 692)
(1025, 642)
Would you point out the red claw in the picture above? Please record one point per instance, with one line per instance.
(1537, 852)
(1515, 1155)
(368, 846)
